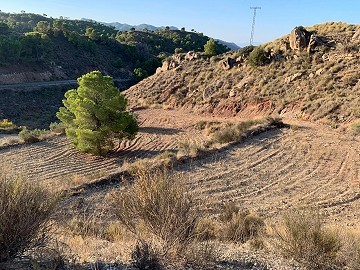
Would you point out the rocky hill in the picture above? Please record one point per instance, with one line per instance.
(312, 73)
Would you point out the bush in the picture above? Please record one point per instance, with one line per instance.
(257, 57)
(32, 136)
(25, 209)
(356, 128)
(245, 51)
(5, 124)
(57, 128)
(144, 257)
(158, 202)
(304, 239)
(231, 132)
(240, 226)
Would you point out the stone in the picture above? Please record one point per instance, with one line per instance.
(319, 71)
(228, 63)
(232, 93)
(299, 38)
(190, 56)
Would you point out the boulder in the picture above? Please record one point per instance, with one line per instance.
(190, 56)
(356, 37)
(299, 38)
(228, 63)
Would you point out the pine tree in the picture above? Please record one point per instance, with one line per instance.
(94, 114)
(210, 47)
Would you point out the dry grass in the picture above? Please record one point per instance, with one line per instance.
(239, 225)
(236, 132)
(304, 238)
(158, 205)
(25, 211)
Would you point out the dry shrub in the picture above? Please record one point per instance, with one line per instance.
(35, 135)
(144, 257)
(240, 225)
(356, 127)
(234, 133)
(304, 238)
(350, 251)
(25, 210)
(207, 229)
(158, 202)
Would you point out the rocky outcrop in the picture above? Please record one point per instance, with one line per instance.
(190, 56)
(299, 38)
(356, 37)
(228, 63)
(175, 61)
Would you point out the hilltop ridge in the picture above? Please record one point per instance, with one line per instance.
(317, 80)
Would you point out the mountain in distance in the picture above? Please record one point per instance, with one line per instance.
(231, 45)
(126, 27)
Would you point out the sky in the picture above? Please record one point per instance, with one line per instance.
(229, 20)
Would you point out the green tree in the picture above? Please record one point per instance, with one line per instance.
(43, 27)
(257, 57)
(94, 114)
(210, 47)
(91, 33)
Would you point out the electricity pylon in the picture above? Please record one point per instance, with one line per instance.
(253, 24)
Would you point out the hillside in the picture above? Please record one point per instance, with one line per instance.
(319, 81)
(35, 47)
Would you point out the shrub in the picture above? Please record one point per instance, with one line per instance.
(32, 136)
(245, 51)
(25, 209)
(350, 251)
(232, 132)
(207, 229)
(57, 128)
(356, 127)
(257, 57)
(304, 238)
(5, 124)
(144, 257)
(158, 202)
(242, 227)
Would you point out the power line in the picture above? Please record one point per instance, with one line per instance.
(253, 24)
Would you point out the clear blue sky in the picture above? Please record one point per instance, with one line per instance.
(229, 20)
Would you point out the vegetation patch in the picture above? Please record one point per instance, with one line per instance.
(304, 238)
(25, 211)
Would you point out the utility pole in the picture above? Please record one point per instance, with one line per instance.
(253, 24)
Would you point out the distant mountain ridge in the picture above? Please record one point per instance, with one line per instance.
(126, 27)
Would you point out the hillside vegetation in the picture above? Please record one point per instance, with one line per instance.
(69, 48)
(319, 81)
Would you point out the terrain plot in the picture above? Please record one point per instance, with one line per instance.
(310, 166)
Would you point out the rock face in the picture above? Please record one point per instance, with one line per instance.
(175, 61)
(299, 38)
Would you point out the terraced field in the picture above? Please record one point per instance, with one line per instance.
(313, 166)
(56, 161)
(281, 169)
